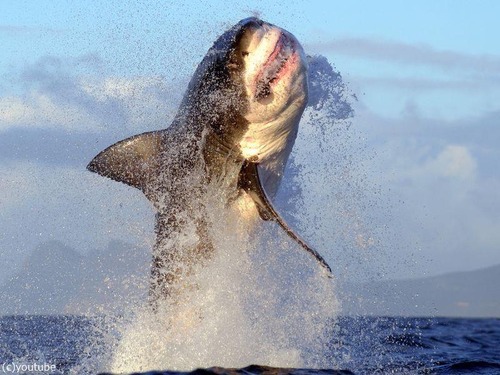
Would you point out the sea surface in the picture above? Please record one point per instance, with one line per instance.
(363, 345)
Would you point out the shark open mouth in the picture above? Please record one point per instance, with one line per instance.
(274, 67)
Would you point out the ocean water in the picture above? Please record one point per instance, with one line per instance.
(362, 345)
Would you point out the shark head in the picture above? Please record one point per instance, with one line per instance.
(273, 68)
(271, 64)
(274, 74)
(254, 83)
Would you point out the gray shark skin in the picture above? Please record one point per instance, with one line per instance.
(234, 129)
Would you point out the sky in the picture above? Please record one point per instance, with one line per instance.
(78, 76)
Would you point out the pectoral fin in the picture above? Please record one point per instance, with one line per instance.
(132, 161)
(250, 182)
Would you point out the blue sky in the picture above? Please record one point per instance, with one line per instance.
(397, 43)
(76, 76)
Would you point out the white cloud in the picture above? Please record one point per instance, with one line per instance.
(441, 182)
(121, 87)
(128, 102)
(389, 73)
(52, 96)
(410, 54)
(37, 109)
(145, 101)
(469, 84)
(455, 161)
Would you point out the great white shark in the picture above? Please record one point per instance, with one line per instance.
(234, 129)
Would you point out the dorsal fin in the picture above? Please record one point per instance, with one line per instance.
(133, 161)
(249, 181)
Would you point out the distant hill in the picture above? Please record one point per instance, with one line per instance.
(56, 279)
(458, 294)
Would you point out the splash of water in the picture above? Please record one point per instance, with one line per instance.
(254, 302)
(259, 300)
